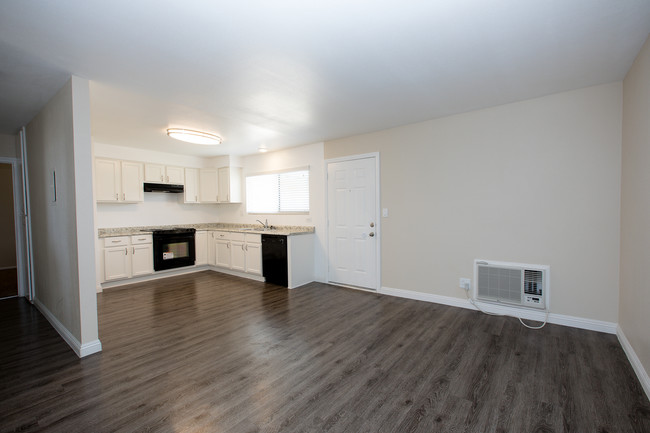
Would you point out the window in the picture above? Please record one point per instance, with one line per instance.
(285, 192)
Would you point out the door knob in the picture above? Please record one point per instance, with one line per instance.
(371, 234)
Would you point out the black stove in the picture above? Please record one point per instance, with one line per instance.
(173, 248)
(173, 231)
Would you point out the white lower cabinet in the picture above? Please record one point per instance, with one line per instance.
(201, 247)
(222, 249)
(254, 254)
(240, 252)
(127, 257)
(237, 252)
(116, 263)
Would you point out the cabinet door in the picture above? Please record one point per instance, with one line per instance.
(117, 263)
(238, 255)
(154, 173)
(223, 253)
(107, 180)
(208, 185)
(212, 249)
(254, 258)
(191, 185)
(229, 185)
(132, 190)
(174, 175)
(201, 247)
(141, 259)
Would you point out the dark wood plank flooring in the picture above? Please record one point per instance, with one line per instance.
(209, 352)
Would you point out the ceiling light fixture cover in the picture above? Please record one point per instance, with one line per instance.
(191, 136)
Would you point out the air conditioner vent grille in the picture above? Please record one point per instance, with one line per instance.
(499, 283)
(532, 282)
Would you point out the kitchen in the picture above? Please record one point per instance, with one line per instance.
(169, 209)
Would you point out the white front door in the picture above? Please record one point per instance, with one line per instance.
(352, 217)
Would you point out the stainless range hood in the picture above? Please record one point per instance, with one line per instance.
(162, 187)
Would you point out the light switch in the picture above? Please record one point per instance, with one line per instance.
(384, 212)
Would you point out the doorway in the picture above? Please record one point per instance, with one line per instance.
(353, 224)
(8, 260)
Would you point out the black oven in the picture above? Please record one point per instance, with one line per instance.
(173, 248)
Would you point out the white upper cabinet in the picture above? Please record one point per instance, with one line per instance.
(118, 181)
(191, 194)
(230, 184)
(208, 182)
(158, 173)
(107, 180)
(175, 175)
(132, 190)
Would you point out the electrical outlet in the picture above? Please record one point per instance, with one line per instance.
(465, 283)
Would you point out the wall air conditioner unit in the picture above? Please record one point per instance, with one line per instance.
(513, 284)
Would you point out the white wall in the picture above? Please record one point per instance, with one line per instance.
(535, 182)
(157, 208)
(58, 140)
(309, 155)
(634, 317)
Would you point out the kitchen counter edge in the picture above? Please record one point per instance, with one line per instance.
(226, 227)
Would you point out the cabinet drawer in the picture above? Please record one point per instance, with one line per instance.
(253, 238)
(237, 236)
(141, 239)
(116, 241)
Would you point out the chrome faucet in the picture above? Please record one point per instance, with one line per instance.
(264, 224)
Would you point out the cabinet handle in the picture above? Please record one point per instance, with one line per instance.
(162, 178)
(134, 250)
(242, 247)
(196, 198)
(228, 245)
(117, 196)
(246, 247)
(126, 251)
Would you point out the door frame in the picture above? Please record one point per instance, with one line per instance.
(16, 179)
(378, 232)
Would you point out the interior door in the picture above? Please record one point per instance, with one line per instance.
(352, 217)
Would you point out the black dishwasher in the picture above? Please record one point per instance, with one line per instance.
(274, 259)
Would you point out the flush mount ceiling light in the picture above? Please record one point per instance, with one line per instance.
(190, 136)
(262, 149)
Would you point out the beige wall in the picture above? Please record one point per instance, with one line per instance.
(634, 317)
(9, 146)
(534, 182)
(58, 139)
(7, 228)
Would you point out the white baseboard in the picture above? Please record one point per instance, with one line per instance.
(155, 276)
(641, 373)
(80, 349)
(173, 272)
(524, 313)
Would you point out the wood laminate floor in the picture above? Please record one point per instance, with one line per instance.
(209, 352)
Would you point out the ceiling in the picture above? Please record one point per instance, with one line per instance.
(286, 72)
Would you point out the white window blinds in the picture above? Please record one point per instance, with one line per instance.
(286, 192)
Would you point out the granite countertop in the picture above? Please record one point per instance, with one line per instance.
(226, 227)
